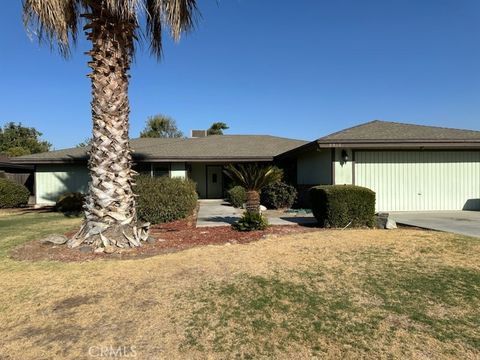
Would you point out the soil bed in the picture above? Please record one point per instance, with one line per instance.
(170, 237)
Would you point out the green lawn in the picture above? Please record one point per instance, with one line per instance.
(328, 294)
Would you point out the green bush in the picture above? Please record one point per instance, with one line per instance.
(163, 199)
(70, 203)
(340, 205)
(250, 222)
(278, 196)
(12, 195)
(237, 196)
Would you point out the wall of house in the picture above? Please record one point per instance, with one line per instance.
(51, 181)
(343, 169)
(314, 168)
(198, 174)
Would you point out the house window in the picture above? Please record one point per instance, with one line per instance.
(160, 170)
(214, 178)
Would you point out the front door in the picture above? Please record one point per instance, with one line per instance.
(214, 182)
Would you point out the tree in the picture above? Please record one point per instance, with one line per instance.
(84, 143)
(253, 177)
(161, 126)
(112, 27)
(17, 140)
(217, 128)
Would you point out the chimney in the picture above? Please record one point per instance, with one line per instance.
(199, 133)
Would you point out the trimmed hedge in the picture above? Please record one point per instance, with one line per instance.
(237, 196)
(337, 206)
(278, 196)
(12, 195)
(163, 199)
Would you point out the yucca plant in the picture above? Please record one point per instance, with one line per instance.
(112, 27)
(253, 177)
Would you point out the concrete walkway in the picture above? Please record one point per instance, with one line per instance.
(457, 222)
(220, 213)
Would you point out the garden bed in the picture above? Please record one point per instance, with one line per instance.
(170, 237)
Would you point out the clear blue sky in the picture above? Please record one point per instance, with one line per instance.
(299, 69)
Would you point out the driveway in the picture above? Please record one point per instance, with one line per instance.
(221, 213)
(458, 222)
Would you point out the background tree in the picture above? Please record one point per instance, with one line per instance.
(217, 128)
(112, 27)
(253, 177)
(84, 143)
(17, 140)
(161, 126)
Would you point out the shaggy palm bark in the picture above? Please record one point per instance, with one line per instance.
(253, 202)
(110, 217)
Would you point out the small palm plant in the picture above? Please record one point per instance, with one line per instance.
(253, 177)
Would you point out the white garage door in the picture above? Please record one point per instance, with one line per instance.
(421, 180)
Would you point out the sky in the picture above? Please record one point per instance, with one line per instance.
(300, 69)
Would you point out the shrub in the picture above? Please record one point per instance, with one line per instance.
(237, 196)
(164, 199)
(341, 205)
(12, 195)
(251, 221)
(278, 196)
(70, 203)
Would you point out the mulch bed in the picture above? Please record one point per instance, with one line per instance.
(170, 237)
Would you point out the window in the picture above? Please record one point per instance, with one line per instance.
(161, 170)
(214, 178)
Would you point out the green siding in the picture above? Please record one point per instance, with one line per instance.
(51, 181)
(314, 168)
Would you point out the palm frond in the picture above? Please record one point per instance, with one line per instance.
(253, 176)
(53, 21)
(57, 21)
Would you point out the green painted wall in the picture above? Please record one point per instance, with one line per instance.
(51, 181)
(314, 168)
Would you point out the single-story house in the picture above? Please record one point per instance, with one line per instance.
(410, 167)
(200, 159)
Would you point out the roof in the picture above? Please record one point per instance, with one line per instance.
(379, 134)
(214, 148)
(386, 131)
(7, 164)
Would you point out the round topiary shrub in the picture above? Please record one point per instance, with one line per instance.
(70, 203)
(278, 196)
(12, 195)
(163, 199)
(237, 196)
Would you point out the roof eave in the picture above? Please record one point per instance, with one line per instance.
(381, 144)
(212, 159)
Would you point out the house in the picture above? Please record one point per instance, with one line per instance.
(201, 159)
(410, 167)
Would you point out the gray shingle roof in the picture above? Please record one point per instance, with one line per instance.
(385, 131)
(210, 148)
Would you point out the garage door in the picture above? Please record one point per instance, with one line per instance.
(421, 180)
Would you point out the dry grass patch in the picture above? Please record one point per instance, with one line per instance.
(328, 294)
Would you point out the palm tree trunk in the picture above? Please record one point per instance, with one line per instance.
(110, 217)
(253, 202)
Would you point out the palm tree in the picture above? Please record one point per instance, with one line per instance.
(112, 26)
(253, 177)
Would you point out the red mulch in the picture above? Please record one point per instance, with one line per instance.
(171, 237)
